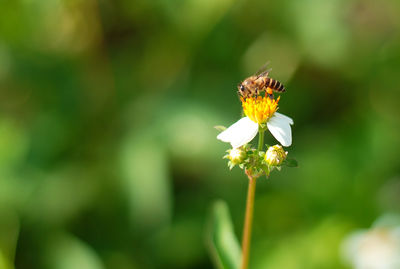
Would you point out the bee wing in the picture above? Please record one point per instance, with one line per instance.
(263, 70)
(265, 73)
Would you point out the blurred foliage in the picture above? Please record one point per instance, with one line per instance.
(108, 158)
(222, 242)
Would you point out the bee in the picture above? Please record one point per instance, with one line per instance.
(256, 84)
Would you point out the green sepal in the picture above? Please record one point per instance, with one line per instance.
(230, 165)
(220, 128)
(267, 171)
(262, 127)
(290, 162)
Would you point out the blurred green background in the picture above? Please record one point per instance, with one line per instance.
(108, 156)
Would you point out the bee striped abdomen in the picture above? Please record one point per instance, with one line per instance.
(276, 85)
(281, 88)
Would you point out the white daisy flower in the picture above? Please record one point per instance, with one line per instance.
(258, 111)
(376, 248)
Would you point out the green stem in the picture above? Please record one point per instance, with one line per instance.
(248, 219)
(260, 139)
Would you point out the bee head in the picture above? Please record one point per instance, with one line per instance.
(241, 88)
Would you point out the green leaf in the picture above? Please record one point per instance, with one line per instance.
(290, 163)
(9, 233)
(4, 263)
(223, 244)
(65, 251)
(220, 128)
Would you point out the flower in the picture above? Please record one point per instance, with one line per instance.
(376, 248)
(259, 111)
(236, 155)
(275, 155)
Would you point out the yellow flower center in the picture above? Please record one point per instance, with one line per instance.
(259, 109)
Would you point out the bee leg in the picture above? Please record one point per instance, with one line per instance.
(269, 93)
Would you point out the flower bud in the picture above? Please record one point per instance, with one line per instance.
(236, 155)
(275, 155)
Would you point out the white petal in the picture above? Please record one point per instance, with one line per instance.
(281, 116)
(279, 126)
(351, 245)
(239, 133)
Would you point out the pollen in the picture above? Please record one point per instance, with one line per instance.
(259, 109)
